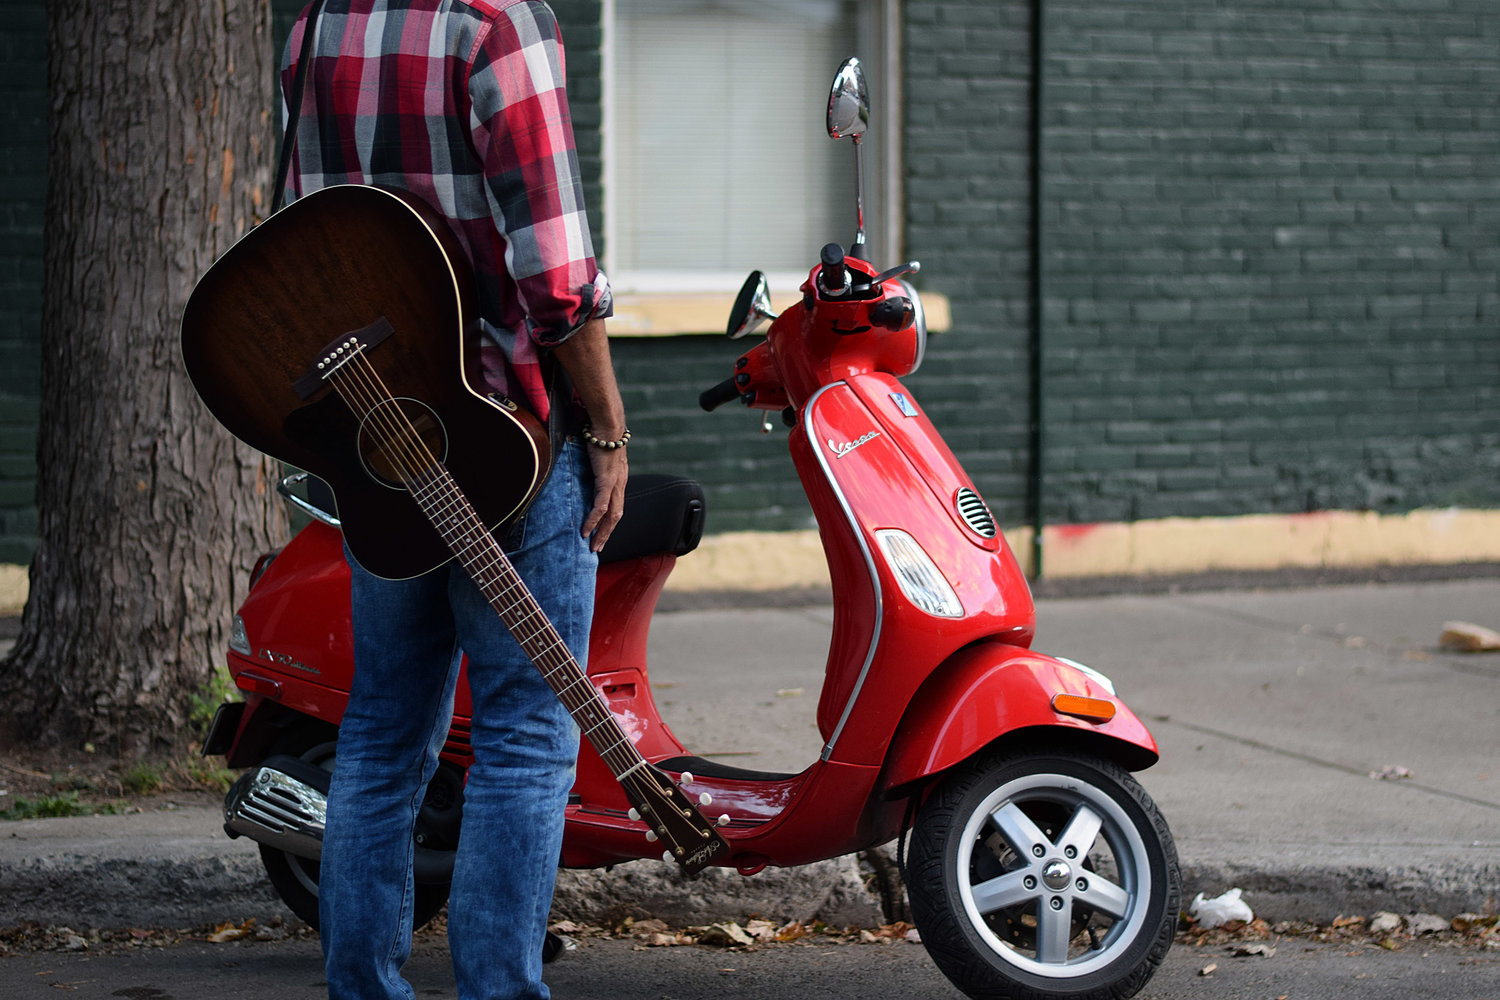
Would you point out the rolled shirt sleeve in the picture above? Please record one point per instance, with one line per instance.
(523, 134)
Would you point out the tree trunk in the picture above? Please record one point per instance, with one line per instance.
(150, 515)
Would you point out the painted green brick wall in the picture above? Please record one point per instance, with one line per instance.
(1273, 278)
(968, 220)
(1272, 270)
(23, 187)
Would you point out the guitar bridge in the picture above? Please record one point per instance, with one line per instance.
(336, 352)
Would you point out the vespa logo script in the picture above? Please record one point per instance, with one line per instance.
(840, 449)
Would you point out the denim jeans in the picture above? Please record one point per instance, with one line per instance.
(406, 637)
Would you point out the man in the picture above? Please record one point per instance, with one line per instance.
(463, 104)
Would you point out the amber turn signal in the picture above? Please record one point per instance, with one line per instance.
(1091, 709)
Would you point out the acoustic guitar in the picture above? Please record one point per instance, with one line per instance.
(337, 337)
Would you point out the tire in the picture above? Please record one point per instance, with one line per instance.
(295, 878)
(1013, 904)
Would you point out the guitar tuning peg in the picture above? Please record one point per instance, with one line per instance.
(635, 816)
(666, 857)
(723, 820)
(705, 799)
(687, 778)
(650, 836)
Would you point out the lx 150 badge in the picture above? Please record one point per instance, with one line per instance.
(287, 660)
(841, 449)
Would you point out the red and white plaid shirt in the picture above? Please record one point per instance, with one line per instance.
(463, 105)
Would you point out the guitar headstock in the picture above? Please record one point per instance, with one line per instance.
(674, 820)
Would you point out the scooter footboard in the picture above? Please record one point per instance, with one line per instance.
(993, 689)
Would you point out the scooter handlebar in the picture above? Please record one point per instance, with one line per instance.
(725, 392)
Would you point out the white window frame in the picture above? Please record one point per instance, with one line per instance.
(676, 302)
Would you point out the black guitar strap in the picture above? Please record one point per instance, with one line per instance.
(294, 107)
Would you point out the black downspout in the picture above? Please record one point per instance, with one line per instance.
(1037, 290)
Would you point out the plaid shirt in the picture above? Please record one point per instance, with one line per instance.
(462, 104)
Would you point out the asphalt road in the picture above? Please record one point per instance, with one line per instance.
(616, 970)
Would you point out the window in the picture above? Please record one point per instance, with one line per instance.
(717, 159)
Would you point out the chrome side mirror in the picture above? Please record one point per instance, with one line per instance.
(849, 102)
(752, 307)
(849, 115)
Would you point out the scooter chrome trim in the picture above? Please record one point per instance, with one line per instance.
(864, 548)
(273, 808)
(310, 509)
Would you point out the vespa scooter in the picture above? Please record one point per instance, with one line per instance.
(1036, 867)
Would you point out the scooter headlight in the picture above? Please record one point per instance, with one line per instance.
(239, 639)
(920, 579)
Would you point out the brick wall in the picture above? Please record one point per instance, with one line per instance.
(1273, 231)
(23, 187)
(968, 220)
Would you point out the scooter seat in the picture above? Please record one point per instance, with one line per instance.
(663, 514)
(704, 768)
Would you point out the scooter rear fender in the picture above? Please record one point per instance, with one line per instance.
(992, 690)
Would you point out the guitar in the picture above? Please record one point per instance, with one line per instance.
(332, 337)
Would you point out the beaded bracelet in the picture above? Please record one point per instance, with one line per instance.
(588, 435)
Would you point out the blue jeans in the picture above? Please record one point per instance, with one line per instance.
(406, 637)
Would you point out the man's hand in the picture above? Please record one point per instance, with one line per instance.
(585, 357)
(610, 472)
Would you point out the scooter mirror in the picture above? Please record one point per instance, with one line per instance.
(849, 102)
(751, 308)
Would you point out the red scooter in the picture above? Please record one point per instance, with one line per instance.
(1036, 865)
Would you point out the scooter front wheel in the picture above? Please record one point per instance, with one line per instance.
(1043, 875)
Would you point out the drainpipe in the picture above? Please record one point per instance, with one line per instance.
(1037, 288)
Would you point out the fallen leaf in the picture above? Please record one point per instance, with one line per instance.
(726, 935)
(1255, 950)
(1208, 969)
(231, 931)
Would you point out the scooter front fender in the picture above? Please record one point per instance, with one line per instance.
(993, 690)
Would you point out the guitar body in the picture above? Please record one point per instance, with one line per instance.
(340, 260)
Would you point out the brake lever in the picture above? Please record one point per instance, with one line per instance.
(910, 267)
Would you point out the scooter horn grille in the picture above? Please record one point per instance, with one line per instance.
(975, 514)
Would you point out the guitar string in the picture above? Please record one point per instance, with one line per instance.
(406, 449)
(462, 529)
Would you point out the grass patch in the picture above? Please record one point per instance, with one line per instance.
(143, 779)
(203, 773)
(47, 807)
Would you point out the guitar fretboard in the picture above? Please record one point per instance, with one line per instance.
(482, 557)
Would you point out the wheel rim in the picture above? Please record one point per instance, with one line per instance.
(1053, 875)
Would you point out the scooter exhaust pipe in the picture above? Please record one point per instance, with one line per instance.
(283, 804)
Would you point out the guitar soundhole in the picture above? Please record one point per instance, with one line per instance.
(400, 440)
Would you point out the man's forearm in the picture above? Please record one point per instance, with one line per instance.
(585, 357)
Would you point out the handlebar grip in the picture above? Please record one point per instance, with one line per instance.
(725, 392)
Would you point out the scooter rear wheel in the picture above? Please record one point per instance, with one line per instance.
(1044, 875)
(295, 878)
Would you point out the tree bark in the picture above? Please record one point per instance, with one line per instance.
(161, 150)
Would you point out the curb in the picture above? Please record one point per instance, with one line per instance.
(99, 882)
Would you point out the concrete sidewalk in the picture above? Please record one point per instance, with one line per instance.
(1272, 709)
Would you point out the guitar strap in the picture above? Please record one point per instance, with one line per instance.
(294, 107)
(561, 418)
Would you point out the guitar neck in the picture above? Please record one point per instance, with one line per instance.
(690, 839)
(486, 562)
